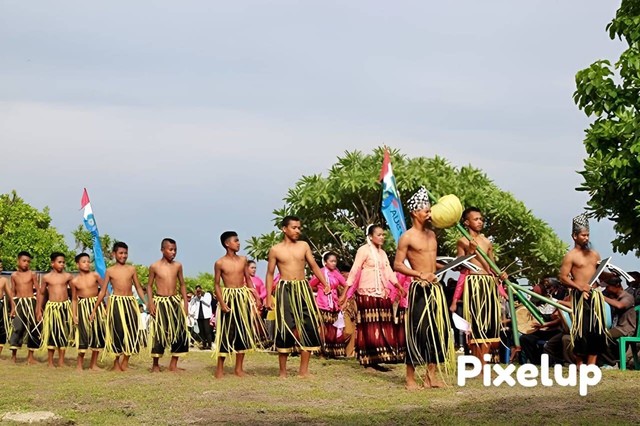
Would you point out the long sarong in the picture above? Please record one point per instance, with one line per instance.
(588, 331)
(90, 334)
(428, 326)
(335, 342)
(481, 308)
(57, 325)
(169, 327)
(25, 324)
(298, 324)
(379, 338)
(123, 322)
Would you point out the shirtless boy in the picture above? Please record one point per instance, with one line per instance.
(57, 321)
(234, 333)
(168, 308)
(298, 319)
(123, 316)
(24, 284)
(85, 288)
(481, 300)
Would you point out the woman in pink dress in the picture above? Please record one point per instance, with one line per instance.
(334, 339)
(380, 336)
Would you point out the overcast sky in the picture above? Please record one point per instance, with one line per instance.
(186, 119)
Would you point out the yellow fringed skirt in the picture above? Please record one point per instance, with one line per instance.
(57, 325)
(238, 330)
(427, 327)
(25, 324)
(90, 335)
(589, 333)
(169, 327)
(298, 321)
(122, 326)
(481, 308)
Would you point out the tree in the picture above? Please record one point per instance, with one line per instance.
(204, 280)
(24, 227)
(84, 242)
(611, 93)
(337, 208)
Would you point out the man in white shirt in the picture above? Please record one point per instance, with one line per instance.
(200, 304)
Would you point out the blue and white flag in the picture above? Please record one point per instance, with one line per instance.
(90, 224)
(391, 205)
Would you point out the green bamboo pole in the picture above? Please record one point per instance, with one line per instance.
(514, 320)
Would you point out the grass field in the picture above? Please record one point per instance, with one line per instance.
(340, 392)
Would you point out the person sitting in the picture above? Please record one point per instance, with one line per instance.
(624, 316)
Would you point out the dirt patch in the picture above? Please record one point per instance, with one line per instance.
(31, 417)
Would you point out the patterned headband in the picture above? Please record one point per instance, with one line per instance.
(419, 200)
(580, 222)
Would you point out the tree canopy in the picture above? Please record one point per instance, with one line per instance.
(336, 208)
(611, 93)
(24, 227)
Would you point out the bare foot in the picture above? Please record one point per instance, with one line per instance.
(79, 368)
(282, 375)
(32, 361)
(94, 368)
(49, 364)
(305, 375)
(411, 385)
(155, 369)
(239, 373)
(438, 384)
(219, 374)
(176, 369)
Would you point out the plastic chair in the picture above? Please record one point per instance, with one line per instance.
(632, 340)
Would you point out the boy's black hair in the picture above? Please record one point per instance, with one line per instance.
(468, 210)
(55, 255)
(25, 253)
(287, 219)
(167, 240)
(120, 244)
(226, 235)
(80, 256)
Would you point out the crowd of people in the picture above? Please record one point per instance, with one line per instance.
(378, 310)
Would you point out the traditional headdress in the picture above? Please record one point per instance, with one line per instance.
(419, 200)
(580, 222)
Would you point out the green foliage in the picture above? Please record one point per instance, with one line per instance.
(612, 170)
(204, 280)
(24, 227)
(337, 208)
(84, 242)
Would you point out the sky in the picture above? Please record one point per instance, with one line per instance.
(187, 119)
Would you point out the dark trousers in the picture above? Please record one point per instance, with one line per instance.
(531, 348)
(206, 332)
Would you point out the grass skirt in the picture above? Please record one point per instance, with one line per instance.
(588, 330)
(298, 323)
(428, 327)
(123, 322)
(169, 327)
(25, 324)
(481, 308)
(90, 335)
(57, 325)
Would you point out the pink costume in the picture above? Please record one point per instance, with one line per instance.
(374, 273)
(260, 287)
(334, 279)
(405, 282)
